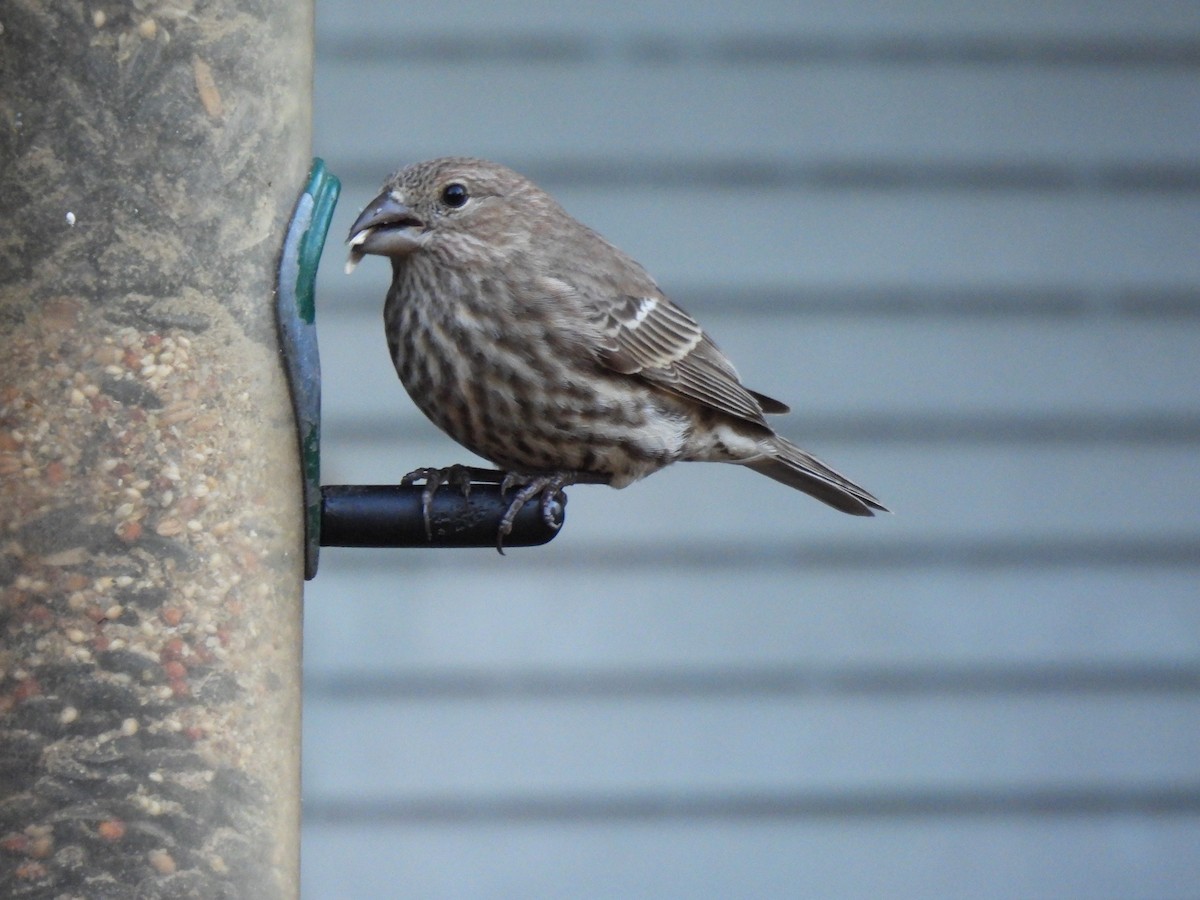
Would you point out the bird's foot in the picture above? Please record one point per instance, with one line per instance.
(458, 476)
(549, 485)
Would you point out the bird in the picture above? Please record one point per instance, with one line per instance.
(537, 344)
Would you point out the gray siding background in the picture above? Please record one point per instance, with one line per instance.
(963, 241)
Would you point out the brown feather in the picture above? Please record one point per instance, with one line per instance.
(652, 337)
(796, 468)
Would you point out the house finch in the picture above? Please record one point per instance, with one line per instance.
(537, 344)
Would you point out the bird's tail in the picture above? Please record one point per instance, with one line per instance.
(790, 465)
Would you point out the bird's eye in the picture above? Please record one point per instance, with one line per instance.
(455, 195)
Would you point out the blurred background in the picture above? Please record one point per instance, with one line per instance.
(963, 242)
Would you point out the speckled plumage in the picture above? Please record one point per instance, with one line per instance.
(540, 346)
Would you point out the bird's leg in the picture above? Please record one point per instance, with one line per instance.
(458, 476)
(548, 485)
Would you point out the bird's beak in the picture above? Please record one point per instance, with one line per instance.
(386, 228)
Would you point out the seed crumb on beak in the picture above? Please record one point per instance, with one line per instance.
(356, 255)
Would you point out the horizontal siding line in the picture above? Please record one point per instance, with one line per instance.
(1104, 800)
(967, 50)
(693, 683)
(899, 301)
(575, 49)
(951, 553)
(1036, 302)
(838, 175)
(1072, 428)
(1034, 553)
(1138, 429)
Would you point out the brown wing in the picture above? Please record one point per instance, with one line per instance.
(652, 337)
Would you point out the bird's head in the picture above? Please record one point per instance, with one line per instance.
(459, 200)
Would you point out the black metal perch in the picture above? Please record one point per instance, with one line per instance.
(385, 515)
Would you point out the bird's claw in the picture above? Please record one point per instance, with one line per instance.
(550, 487)
(458, 476)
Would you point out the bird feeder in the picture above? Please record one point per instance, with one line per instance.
(150, 527)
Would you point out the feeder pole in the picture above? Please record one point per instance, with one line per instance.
(150, 512)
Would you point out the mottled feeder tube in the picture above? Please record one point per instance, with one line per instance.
(150, 521)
